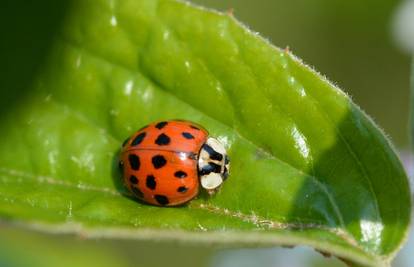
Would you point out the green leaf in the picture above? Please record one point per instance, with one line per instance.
(308, 167)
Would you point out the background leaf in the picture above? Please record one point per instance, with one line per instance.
(22, 247)
(308, 166)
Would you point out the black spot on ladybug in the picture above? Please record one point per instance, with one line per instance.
(162, 140)
(121, 165)
(180, 174)
(151, 183)
(125, 142)
(158, 161)
(195, 128)
(161, 199)
(211, 167)
(187, 135)
(161, 125)
(133, 179)
(212, 153)
(182, 189)
(138, 139)
(134, 161)
(137, 192)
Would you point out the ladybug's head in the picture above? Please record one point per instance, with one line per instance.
(213, 164)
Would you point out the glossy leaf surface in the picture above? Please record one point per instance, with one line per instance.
(308, 167)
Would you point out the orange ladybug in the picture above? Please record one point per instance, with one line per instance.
(165, 162)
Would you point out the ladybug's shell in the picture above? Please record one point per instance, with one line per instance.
(160, 162)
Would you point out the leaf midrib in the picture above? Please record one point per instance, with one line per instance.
(260, 223)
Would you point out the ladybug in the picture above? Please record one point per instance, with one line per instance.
(165, 162)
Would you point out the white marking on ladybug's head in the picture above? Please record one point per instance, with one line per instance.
(213, 164)
(216, 145)
(211, 181)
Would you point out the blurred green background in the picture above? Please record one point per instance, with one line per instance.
(348, 41)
